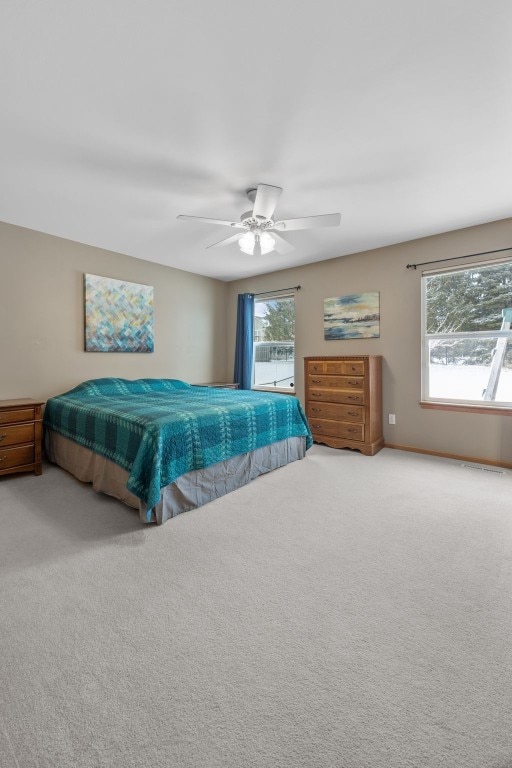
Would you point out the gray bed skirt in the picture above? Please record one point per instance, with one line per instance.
(188, 492)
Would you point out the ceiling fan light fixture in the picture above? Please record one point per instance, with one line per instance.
(248, 241)
(267, 243)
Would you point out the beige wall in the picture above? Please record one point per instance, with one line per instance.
(475, 435)
(41, 325)
(42, 317)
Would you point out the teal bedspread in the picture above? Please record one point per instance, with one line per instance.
(158, 429)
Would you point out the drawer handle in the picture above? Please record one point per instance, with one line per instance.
(316, 394)
(3, 458)
(2, 437)
(352, 430)
(353, 397)
(316, 381)
(353, 413)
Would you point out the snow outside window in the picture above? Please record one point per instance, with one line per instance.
(274, 343)
(467, 336)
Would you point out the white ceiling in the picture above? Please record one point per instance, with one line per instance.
(117, 115)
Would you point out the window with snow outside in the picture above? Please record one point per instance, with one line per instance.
(274, 343)
(467, 336)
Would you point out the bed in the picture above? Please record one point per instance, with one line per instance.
(164, 446)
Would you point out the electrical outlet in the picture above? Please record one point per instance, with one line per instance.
(392, 418)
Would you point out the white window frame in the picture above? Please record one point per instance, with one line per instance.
(426, 337)
(285, 390)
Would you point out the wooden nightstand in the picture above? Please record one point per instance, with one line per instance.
(20, 436)
(218, 385)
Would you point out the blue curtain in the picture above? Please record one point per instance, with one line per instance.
(244, 341)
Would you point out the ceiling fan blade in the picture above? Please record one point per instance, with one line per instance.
(280, 244)
(227, 240)
(265, 201)
(202, 220)
(309, 222)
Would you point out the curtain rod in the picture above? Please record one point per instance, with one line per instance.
(454, 258)
(279, 290)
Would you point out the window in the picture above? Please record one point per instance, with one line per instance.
(467, 338)
(274, 343)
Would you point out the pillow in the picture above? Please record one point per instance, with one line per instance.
(113, 386)
(161, 385)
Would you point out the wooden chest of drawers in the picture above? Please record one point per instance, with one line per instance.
(344, 401)
(20, 436)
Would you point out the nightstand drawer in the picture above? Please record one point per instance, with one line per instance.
(337, 429)
(20, 436)
(16, 435)
(14, 417)
(218, 385)
(16, 457)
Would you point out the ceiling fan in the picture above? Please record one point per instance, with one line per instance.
(260, 231)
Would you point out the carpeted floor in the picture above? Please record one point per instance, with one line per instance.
(341, 612)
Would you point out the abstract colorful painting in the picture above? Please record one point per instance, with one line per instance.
(356, 316)
(118, 315)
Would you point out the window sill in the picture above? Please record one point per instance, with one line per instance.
(281, 390)
(496, 410)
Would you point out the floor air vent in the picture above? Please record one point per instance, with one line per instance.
(484, 469)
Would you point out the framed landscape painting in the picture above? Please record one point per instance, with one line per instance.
(118, 315)
(356, 316)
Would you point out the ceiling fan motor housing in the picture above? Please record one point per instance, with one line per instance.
(249, 221)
